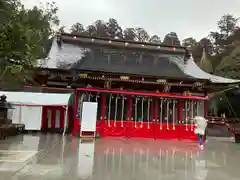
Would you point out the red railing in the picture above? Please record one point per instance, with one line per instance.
(142, 93)
(128, 127)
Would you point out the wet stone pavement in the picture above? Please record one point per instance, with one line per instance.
(49, 156)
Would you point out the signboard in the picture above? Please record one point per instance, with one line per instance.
(89, 116)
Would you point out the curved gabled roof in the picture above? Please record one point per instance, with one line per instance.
(190, 68)
(81, 57)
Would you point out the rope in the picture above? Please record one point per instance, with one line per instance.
(148, 113)
(219, 92)
(109, 109)
(186, 115)
(142, 114)
(173, 114)
(167, 114)
(198, 107)
(89, 97)
(161, 114)
(192, 115)
(230, 108)
(229, 104)
(135, 119)
(81, 106)
(115, 113)
(122, 111)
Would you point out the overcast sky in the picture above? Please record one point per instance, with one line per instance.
(189, 18)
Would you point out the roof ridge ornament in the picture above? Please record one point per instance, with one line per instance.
(187, 56)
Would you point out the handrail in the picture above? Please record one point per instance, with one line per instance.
(231, 124)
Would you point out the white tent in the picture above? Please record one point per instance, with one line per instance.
(28, 106)
(41, 99)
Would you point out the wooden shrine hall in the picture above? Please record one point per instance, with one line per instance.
(143, 90)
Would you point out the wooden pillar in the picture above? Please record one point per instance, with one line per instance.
(180, 107)
(103, 107)
(70, 121)
(62, 117)
(129, 106)
(53, 118)
(128, 128)
(205, 109)
(44, 117)
(156, 110)
(180, 118)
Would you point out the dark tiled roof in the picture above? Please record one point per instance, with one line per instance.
(137, 61)
(97, 58)
(131, 62)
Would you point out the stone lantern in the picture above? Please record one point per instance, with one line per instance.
(4, 106)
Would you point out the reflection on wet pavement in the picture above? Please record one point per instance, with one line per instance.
(53, 157)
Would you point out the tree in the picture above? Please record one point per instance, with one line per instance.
(77, 28)
(207, 45)
(23, 34)
(190, 43)
(234, 39)
(141, 35)
(61, 29)
(155, 39)
(98, 29)
(114, 30)
(171, 39)
(195, 48)
(129, 34)
(217, 40)
(229, 66)
(227, 25)
(6, 8)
